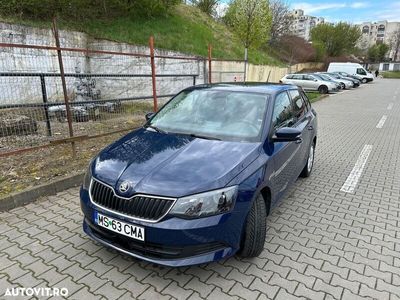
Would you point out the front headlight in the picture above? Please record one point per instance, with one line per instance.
(88, 177)
(206, 204)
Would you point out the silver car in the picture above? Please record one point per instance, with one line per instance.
(346, 84)
(310, 83)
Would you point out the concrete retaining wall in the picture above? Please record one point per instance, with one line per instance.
(18, 90)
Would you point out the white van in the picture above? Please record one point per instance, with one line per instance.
(353, 69)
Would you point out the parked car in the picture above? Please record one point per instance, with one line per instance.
(310, 83)
(326, 78)
(356, 82)
(351, 68)
(345, 74)
(346, 84)
(196, 182)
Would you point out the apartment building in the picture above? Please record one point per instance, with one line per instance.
(378, 32)
(302, 24)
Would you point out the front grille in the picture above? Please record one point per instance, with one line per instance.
(139, 206)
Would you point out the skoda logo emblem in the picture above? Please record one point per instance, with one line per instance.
(124, 186)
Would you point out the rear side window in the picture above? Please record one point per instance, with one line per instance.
(299, 77)
(298, 104)
(306, 100)
(283, 111)
(289, 76)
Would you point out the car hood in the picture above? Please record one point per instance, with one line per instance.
(171, 165)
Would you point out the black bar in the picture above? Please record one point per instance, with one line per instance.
(194, 80)
(23, 74)
(46, 109)
(6, 106)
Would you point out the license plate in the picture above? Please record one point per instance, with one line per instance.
(123, 228)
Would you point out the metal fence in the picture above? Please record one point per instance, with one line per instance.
(50, 94)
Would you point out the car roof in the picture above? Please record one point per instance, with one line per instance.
(251, 87)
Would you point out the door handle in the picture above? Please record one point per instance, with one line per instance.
(310, 127)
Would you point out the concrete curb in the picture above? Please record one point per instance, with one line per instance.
(31, 194)
(322, 97)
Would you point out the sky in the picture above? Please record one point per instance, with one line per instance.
(356, 11)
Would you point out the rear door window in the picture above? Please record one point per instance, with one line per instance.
(298, 77)
(306, 100)
(283, 115)
(307, 77)
(299, 105)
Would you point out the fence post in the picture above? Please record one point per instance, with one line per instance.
(205, 74)
(209, 63)
(46, 108)
(153, 73)
(64, 86)
(245, 64)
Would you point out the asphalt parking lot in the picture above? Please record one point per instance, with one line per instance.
(334, 236)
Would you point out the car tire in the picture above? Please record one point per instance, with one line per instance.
(306, 172)
(343, 86)
(364, 80)
(255, 229)
(323, 89)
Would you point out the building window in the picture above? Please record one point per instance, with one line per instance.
(381, 28)
(385, 67)
(365, 29)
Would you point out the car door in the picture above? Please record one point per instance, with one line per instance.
(308, 83)
(284, 153)
(297, 79)
(304, 118)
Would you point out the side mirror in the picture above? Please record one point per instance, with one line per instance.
(287, 134)
(149, 115)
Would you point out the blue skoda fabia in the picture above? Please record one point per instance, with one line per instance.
(196, 183)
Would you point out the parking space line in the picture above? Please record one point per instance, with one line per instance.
(381, 122)
(390, 106)
(339, 93)
(355, 174)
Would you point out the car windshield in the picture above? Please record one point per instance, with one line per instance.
(335, 76)
(211, 113)
(326, 77)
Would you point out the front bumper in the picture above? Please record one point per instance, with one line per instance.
(173, 241)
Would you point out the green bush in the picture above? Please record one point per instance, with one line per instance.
(391, 74)
(84, 9)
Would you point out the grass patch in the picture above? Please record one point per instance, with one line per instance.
(391, 74)
(185, 29)
(313, 96)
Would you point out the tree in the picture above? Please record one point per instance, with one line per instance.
(282, 19)
(377, 52)
(207, 6)
(395, 43)
(336, 39)
(294, 49)
(250, 20)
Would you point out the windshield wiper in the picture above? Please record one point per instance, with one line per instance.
(204, 137)
(159, 130)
